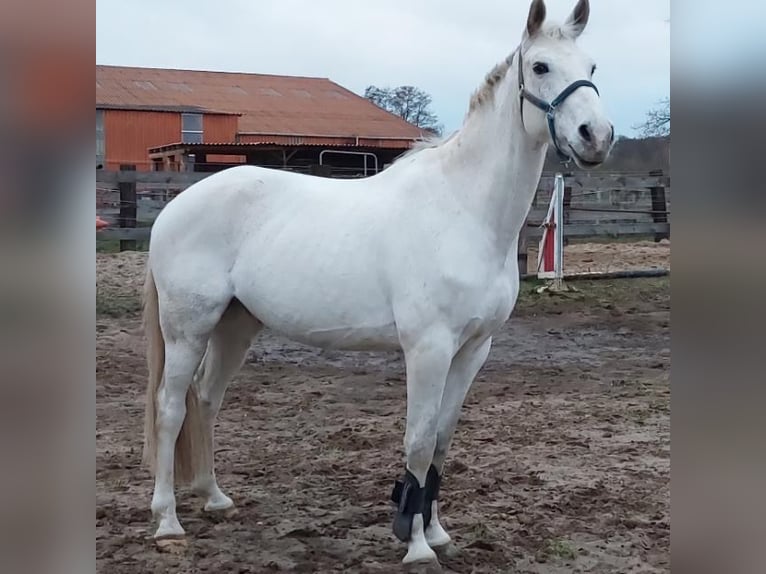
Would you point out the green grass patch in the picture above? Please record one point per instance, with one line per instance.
(113, 245)
(618, 295)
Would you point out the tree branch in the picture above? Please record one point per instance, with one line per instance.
(657, 121)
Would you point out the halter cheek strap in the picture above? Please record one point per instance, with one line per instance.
(548, 107)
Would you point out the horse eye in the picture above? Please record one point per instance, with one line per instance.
(539, 68)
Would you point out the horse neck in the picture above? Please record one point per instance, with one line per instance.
(497, 164)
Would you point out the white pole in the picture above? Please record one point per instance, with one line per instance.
(556, 209)
(549, 217)
(558, 251)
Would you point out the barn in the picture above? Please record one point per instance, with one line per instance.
(185, 120)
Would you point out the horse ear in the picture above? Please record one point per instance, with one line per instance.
(536, 17)
(579, 17)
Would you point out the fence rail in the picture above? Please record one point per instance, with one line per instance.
(595, 204)
(164, 177)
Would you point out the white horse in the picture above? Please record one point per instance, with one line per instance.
(420, 257)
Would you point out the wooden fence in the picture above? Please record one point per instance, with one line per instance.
(595, 204)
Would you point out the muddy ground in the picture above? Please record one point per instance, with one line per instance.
(560, 463)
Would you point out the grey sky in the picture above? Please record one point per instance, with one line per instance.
(442, 46)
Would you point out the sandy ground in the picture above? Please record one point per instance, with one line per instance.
(606, 257)
(560, 462)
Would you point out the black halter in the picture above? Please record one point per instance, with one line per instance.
(548, 108)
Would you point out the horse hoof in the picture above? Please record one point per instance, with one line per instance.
(429, 567)
(225, 510)
(171, 545)
(446, 551)
(219, 503)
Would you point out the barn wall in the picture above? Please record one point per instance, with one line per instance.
(129, 134)
(296, 140)
(219, 128)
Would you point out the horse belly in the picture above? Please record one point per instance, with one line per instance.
(340, 308)
(328, 324)
(351, 338)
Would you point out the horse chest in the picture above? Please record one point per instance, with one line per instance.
(499, 303)
(486, 309)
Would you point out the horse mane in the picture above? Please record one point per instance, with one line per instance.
(428, 142)
(486, 91)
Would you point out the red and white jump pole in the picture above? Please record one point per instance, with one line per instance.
(550, 254)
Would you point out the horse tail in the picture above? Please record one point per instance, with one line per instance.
(155, 356)
(191, 452)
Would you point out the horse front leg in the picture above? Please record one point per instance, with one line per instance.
(427, 362)
(465, 366)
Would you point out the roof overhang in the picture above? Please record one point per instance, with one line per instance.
(237, 148)
(170, 109)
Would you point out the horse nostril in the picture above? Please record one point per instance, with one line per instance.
(611, 138)
(585, 133)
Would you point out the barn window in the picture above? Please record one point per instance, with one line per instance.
(191, 128)
(100, 147)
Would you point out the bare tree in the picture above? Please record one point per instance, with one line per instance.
(408, 102)
(657, 121)
(378, 96)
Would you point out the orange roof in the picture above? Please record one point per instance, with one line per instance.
(268, 104)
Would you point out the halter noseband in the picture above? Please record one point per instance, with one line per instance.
(549, 107)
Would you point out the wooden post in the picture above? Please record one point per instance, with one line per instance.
(128, 207)
(522, 250)
(659, 207)
(567, 205)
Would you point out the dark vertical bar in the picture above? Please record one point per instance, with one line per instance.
(659, 207)
(128, 207)
(567, 205)
(522, 250)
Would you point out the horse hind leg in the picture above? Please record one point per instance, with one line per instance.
(177, 339)
(225, 353)
(181, 360)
